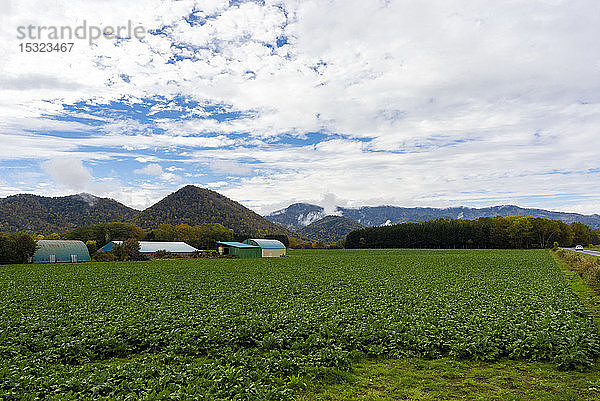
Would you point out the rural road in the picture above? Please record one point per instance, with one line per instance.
(595, 253)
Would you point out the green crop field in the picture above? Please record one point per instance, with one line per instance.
(258, 328)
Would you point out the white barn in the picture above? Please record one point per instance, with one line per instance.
(149, 248)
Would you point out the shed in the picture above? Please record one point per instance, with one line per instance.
(271, 248)
(151, 247)
(54, 251)
(239, 249)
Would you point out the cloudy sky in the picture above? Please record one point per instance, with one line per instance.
(411, 103)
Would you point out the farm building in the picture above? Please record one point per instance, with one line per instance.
(253, 248)
(54, 251)
(239, 249)
(151, 247)
(271, 248)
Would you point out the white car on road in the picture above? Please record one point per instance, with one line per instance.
(579, 248)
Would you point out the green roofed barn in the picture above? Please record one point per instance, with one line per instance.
(50, 251)
(239, 249)
(253, 248)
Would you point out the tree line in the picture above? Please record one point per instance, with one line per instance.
(485, 232)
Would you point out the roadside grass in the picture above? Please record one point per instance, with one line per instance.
(450, 379)
(588, 295)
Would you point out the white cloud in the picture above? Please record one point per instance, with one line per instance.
(156, 170)
(68, 173)
(230, 167)
(438, 103)
(150, 169)
(330, 202)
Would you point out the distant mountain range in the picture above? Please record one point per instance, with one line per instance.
(300, 215)
(190, 205)
(193, 205)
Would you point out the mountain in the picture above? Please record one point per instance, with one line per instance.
(329, 228)
(297, 215)
(385, 215)
(45, 215)
(192, 205)
(382, 215)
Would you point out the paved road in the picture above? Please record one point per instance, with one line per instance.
(595, 253)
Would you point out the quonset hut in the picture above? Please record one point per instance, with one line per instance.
(54, 251)
(271, 248)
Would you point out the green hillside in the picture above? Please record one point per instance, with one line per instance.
(45, 215)
(192, 205)
(330, 228)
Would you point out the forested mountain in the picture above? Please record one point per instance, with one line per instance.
(45, 215)
(298, 214)
(330, 228)
(192, 205)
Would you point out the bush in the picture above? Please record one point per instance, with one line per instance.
(164, 254)
(104, 257)
(208, 254)
(128, 250)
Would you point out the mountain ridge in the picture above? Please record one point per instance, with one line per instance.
(42, 214)
(189, 205)
(371, 216)
(297, 215)
(194, 205)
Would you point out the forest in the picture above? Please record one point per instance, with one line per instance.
(485, 232)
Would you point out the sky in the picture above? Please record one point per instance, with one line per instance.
(411, 103)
